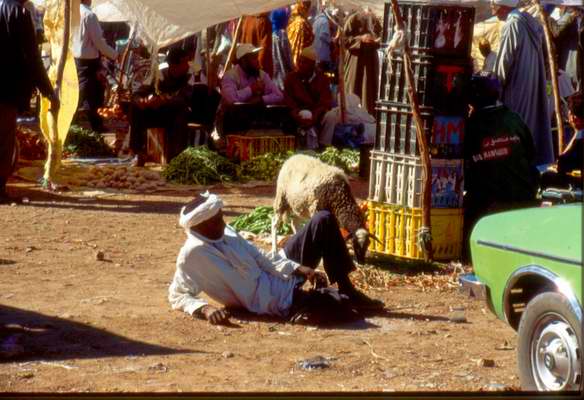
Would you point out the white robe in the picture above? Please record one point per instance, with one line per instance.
(234, 273)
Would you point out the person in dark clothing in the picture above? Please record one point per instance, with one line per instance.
(307, 94)
(88, 46)
(572, 157)
(499, 154)
(176, 104)
(21, 71)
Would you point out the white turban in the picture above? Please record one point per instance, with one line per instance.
(202, 212)
(508, 3)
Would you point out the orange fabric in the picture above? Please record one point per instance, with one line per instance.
(257, 30)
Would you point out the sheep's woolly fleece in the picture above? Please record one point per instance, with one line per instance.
(307, 185)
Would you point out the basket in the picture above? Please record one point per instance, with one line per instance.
(245, 148)
(397, 228)
(397, 179)
(396, 129)
(433, 29)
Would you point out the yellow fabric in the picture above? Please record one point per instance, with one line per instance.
(55, 132)
(491, 31)
(299, 31)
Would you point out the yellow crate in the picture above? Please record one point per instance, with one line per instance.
(397, 228)
(247, 147)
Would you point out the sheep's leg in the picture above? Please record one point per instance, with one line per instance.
(275, 224)
(293, 223)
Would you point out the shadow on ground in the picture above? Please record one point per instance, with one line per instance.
(28, 336)
(113, 203)
(404, 266)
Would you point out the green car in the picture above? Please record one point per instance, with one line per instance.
(528, 267)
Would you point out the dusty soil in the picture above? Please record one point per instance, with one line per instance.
(106, 326)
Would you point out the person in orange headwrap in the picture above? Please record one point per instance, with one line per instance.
(300, 33)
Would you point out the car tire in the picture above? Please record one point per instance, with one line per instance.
(549, 347)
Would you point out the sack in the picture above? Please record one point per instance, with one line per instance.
(349, 135)
(325, 306)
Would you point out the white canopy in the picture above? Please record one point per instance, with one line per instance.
(166, 21)
(108, 12)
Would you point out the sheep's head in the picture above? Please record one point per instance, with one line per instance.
(360, 240)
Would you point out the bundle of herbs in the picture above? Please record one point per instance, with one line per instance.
(83, 142)
(199, 166)
(259, 221)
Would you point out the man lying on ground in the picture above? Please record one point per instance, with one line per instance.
(176, 104)
(218, 261)
(246, 91)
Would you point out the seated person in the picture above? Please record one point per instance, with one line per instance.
(307, 93)
(572, 158)
(218, 261)
(354, 114)
(246, 91)
(499, 154)
(176, 104)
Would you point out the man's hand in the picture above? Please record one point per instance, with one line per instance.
(316, 278)
(367, 38)
(214, 315)
(258, 87)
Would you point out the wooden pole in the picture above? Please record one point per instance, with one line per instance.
(234, 42)
(341, 67)
(551, 53)
(125, 58)
(422, 141)
(341, 72)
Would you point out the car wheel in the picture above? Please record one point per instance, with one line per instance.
(550, 345)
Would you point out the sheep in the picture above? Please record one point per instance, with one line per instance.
(306, 185)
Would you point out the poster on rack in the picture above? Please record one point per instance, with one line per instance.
(447, 137)
(447, 183)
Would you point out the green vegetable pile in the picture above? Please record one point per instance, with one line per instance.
(264, 167)
(85, 143)
(267, 166)
(259, 221)
(199, 166)
(346, 159)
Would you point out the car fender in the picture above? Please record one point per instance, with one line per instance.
(561, 285)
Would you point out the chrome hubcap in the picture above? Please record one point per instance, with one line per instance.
(555, 355)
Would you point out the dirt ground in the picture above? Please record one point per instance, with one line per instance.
(83, 325)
